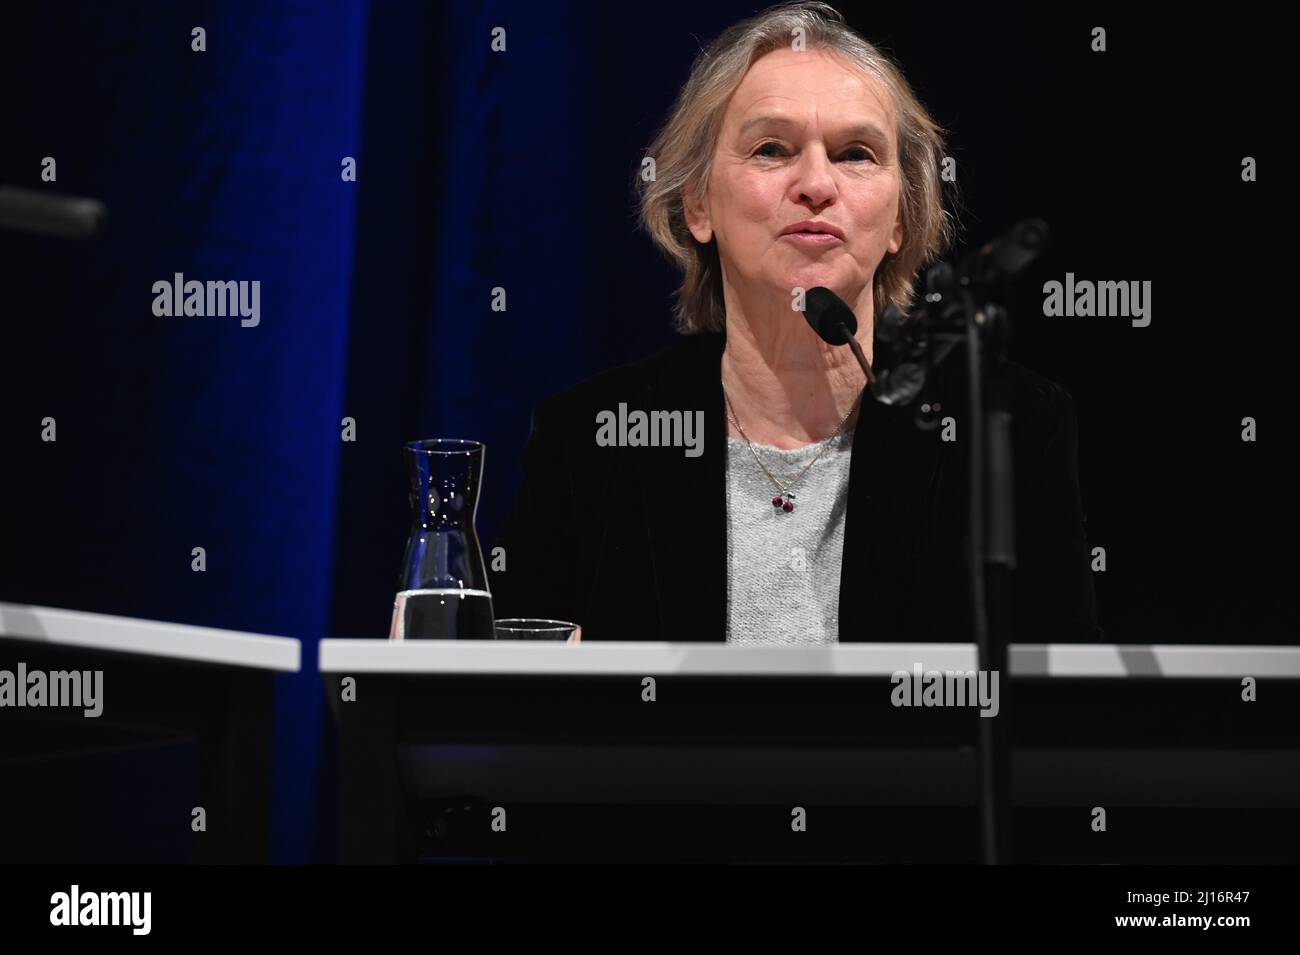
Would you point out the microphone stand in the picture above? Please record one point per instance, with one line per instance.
(992, 556)
(958, 310)
(991, 528)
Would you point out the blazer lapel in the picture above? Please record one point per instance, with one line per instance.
(893, 473)
(685, 497)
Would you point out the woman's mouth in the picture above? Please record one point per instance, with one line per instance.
(813, 233)
(812, 239)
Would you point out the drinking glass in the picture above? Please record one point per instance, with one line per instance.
(520, 628)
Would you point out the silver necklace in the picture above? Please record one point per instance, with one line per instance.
(784, 500)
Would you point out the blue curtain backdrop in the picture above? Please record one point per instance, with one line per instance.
(176, 433)
(478, 170)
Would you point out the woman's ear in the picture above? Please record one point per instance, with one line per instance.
(896, 239)
(697, 218)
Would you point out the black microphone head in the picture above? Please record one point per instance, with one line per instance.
(1000, 261)
(829, 316)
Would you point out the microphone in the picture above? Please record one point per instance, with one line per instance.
(1001, 260)
(902, 340)
(40, 213)
(835, 323)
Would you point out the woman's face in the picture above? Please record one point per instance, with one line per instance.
(804, 138)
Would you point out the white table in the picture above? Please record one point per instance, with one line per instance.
(851, 660)
(152, 638)
(429, 707)
(167, 682)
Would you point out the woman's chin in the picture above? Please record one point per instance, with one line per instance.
(812, 277)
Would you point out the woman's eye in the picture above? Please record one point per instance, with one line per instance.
(852, 154)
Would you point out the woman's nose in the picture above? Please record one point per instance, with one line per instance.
(814, 185)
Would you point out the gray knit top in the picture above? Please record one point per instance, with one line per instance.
(783, 569)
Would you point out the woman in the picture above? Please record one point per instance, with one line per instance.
(795, 156)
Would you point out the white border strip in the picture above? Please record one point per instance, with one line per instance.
(176, 641)
(877, 659)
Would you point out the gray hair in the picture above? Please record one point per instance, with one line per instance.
(683, 153)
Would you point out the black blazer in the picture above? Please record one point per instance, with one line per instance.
(630, 542)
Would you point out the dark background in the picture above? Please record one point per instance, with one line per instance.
(478, 170)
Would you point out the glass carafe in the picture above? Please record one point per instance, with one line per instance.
(443, 589)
